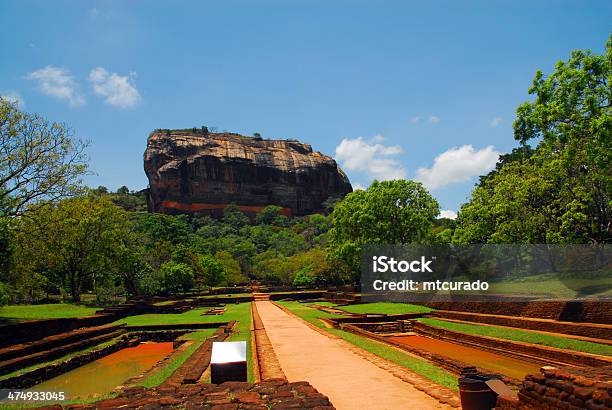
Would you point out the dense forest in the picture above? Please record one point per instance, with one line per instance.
(60, 239)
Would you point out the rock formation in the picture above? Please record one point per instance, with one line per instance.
(201, 173)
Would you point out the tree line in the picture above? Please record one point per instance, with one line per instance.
(58, 237)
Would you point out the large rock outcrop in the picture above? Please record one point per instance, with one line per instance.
(202, 173)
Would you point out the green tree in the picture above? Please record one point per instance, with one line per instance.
(235, 218)
(559, 192)
(272, 215)
(231, 266)
(302, 278)
(388, 212)
(176, 277)
(75, 244)
(159, 227)
(39, 160)
(214, 271)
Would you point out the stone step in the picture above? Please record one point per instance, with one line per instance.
(21, 362)
(49, 342)
(261, 296)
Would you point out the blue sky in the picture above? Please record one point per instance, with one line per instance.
(424, 90)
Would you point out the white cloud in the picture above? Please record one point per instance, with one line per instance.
(448, 213)
(458, 164)
(371, 157)
(414, 120)
(358, 187)
(94, 12)
(434, 119)
(14, 97)
(117, 90)
(495, 122)
(58, 83)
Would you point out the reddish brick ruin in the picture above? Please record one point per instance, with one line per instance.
(569, 388)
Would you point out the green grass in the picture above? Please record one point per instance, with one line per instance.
(565, 285)
(162, 374)
(323, 303)
(240, 312)
(225, 296)
(385, 307)
(419, 366)
(523, 336)
(190, 316)
(200, 335)
(47, 311)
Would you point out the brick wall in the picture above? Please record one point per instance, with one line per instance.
(563, 388)
(578, 311)
(579, 329)
(513, 348)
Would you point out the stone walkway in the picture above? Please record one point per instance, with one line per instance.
(349, 380)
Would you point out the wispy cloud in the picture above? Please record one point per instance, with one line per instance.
(371, 157)
(117, 90)
(58, 83)
(415, 119)
(495, 122)
(94, 12)
(434, 119)
(458, 164)
(448, 213)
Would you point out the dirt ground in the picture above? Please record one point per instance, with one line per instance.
(349, 380)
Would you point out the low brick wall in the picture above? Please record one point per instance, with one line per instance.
(563, 388)
(563, 310)
(160, 335)
(453, 366)
(41, 374)
(37, 329)
(313, 294)
(269, 394)
(579, 329)
(514, 348)
(398, 326)
(200, 325)
(377, 318)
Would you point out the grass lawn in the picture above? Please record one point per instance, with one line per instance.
(419, 366)
(239, 312)
(385, 307)
(47, 311)
(522, 336)
(190, 316)
(160, 376)
(226, 295)
(200, 335)
(324, 303)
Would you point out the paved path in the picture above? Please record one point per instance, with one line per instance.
(349, 380)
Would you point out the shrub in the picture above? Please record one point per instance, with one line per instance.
(176, 277)
(302, 278)
(4, 294)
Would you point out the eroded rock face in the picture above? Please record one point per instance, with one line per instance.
(201, 174)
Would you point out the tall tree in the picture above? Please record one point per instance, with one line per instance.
(561, 191)
(39, 160)
(77, 244)
(388, 212)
